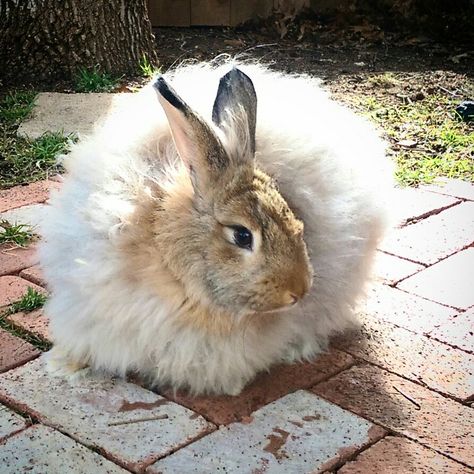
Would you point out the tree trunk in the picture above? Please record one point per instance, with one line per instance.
(53, 39)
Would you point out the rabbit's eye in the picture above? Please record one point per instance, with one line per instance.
(243, 237)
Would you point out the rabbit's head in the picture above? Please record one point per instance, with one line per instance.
(231, 239)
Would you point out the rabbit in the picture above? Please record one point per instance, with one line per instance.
(222, 221)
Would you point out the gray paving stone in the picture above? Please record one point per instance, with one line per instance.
(435, 237)
(69, 113)
(449, 282)
(403, 309)
(453, 187)
(10, 422)
(30, 215)
(298, 433)
(41, 450)
(412, 204)
(412, 356)
(393, 269)
(458, 331)
(131, 424)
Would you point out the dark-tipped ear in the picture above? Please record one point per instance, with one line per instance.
(196, 143)
(235, 109)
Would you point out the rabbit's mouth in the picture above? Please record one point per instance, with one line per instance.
(275, 309)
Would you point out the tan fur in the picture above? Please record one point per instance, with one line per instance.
(251, 198)
(139, 245)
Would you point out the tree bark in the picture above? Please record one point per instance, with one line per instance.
(53, 39)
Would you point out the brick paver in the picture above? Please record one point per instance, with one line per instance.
(415, 357)
(401, 456)
(435, 237)
(40, 449)
(35, 322)
(297, 433)
(19, 196)
(420, 329)
(393, 269)
(14, 351)
(450, 281)
(406, 408)
(458, 331)
(12, 288)
(130, 424)
(403, 309)
(34, 274)
(13, 259)
(10, 423)
(32, 215)
(266, 388)
(413, 204)
(454, 187)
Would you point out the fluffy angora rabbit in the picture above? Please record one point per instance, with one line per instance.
(202, 240)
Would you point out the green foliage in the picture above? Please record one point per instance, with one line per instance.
(18, 234)
(147, 69)
(92, 80)
(23, 160)
(30, 301)
(428, 139)
(16, 106)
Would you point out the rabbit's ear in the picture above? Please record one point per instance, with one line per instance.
(235, 110)
(196, 143)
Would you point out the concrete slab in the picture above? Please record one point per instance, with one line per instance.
(40, 449)
(297, 433)
(131, 425)
(69, 113)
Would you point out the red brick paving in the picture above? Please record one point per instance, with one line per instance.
(454, 187)
(392, 269)
(12, 288)
(450, 282)
(13, 259)
(435, 237)
(415, 204)
(457, 331)
(405, 408)
(266, 388)
(423, 341)
(34, 274)
(394, 455)
(440, 367)
(403, 309)
(19, 196)
(14, 351)
(35, 322)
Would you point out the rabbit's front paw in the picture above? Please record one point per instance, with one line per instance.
(59, 364)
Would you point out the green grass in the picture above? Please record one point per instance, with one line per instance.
(147, 69)
(23, 160)
(30, 301)
(16, 106)
(439, 143)
(18, 234)
(92, 80)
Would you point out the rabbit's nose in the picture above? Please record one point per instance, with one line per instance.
(290, 299)
(293, 299)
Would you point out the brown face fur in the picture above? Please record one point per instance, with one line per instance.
(180, 238)
(188, 245)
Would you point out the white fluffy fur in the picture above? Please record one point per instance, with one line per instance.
(331, 168)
